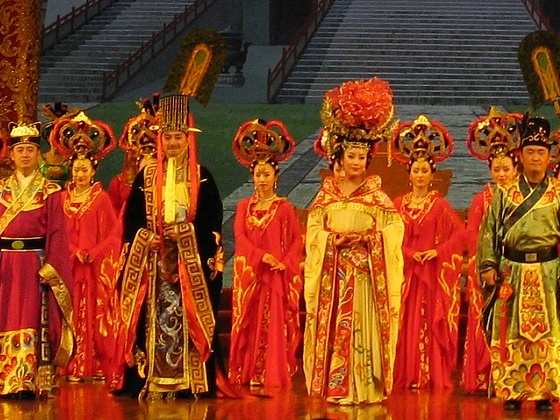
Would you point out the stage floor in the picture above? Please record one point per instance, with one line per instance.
(91, 401)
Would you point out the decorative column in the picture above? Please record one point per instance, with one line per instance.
(21, 23)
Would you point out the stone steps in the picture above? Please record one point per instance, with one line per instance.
(99, 47)
(428, 52)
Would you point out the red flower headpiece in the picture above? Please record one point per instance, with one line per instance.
(356, 111)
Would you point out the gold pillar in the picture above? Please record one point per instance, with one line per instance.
(21, 23)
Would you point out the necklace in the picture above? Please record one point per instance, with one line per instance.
(415, 200)
(264, 200)
(78, 194)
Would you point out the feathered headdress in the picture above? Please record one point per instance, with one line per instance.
(494, 134)
(422, 140)
(357, 112)
(259, 141)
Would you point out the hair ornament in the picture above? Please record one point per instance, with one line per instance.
(261, 141)
(494, 135)
(422, 139)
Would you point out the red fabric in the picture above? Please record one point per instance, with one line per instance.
(427, 345)
(89, 226)
(118, 192)
(476, 357)
(265, 325)
(19, 279)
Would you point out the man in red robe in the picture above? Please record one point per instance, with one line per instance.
(35, 304)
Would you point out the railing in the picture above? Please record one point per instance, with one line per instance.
(541, 20)
(290, 55)
(135, 62)
(68, 24)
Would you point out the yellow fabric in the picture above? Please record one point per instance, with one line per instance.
(169, 200)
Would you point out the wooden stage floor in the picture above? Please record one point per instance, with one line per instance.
(90, 401)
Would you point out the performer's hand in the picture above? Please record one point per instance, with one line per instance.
(272, 262)
(417, 256)
(353, 239)
(489, 277)
(341, 239)
(155, 243)
(83, 257)
(430, 254)
(170, 232)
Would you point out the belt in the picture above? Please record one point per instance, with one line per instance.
(539, 256)
(22, 244)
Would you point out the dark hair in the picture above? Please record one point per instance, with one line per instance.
(269, 160)
(89, 156)
(419, 159)
(510, 154)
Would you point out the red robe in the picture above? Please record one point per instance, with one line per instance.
(476, 358)
(89, 226)
(20, 294)
(118, 192)
(427, 346)
(265, 320)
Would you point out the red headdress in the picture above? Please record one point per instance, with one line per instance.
(140, 132)
(356, 113)
(260, 141)
(80, 136)
(422, 140)
(494, 135)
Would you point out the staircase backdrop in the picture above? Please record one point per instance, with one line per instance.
(432, 51)
(72, 71)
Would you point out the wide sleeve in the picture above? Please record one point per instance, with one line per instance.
(490, 237)
(243, 244)
(316, 239)
(474, 220)
(106, 221)
(135, 210)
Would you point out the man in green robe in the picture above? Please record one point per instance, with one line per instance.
(518, 256)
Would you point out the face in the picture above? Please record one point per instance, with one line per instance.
(502, 170)
(338, 172)
(264, 178)
(82, 172)
(25, 157)
(174, 143)
(421, 174)
(354, 162)
(535, 160)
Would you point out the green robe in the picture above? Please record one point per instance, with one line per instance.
(525, 329)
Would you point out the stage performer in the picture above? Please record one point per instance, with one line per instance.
(268, 260)
(493, 138)
(90, 221)
(353, 266)
(518, 255)
(433, 256)
(173, 276)
(36, 317)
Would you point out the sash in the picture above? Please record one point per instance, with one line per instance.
(22, 200)
(532, 197)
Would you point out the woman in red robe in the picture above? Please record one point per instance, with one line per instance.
(267, 278)
(90, 220)
(491, 138)
(433, 255)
